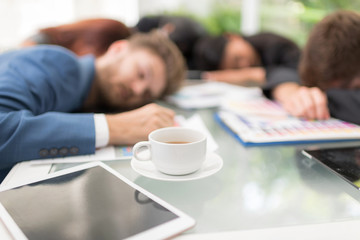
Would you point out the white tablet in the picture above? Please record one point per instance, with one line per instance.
(91, 201)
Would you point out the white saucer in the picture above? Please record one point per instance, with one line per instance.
(212, 164)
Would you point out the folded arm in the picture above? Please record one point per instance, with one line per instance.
(25, 136)
(252, 76)
(300, 101)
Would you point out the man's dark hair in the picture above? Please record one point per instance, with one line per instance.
(331, 57)
(208, 52)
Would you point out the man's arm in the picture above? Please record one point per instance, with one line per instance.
(25, 136)
(39, 87)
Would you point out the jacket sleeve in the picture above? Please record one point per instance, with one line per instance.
(344, 104)
(40, 89)
(277, 76)
(25, 136)
(280, 57)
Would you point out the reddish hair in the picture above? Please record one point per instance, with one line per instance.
(87, 36)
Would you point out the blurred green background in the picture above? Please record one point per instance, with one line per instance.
(291, 18)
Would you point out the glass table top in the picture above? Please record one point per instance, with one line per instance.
(257, 187)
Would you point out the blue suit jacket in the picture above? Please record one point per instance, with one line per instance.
(40, 88)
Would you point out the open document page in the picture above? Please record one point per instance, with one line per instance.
(259, 121)
(209, 94)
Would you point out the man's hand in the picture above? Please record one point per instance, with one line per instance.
(133, 126)
(299, 101)
(252, 76)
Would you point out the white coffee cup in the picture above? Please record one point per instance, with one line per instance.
(173, 150)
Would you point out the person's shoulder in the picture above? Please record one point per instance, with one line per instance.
(37, 53)
(46, 57)
(51, 54)
(269, 35)
(271, 38)
(148, 23)
(51, 49)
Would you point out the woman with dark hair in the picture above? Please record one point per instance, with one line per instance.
(264, 59)
(329, 70)
(83, 37)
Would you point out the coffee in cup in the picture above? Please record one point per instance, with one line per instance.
(173, 150)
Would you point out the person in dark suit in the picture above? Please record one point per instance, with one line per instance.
(48, 97)
(329, 70)
(263, 59)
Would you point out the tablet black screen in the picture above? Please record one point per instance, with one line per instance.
(344, 161)
(89, 204)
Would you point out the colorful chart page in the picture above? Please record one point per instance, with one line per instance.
(262, 121)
